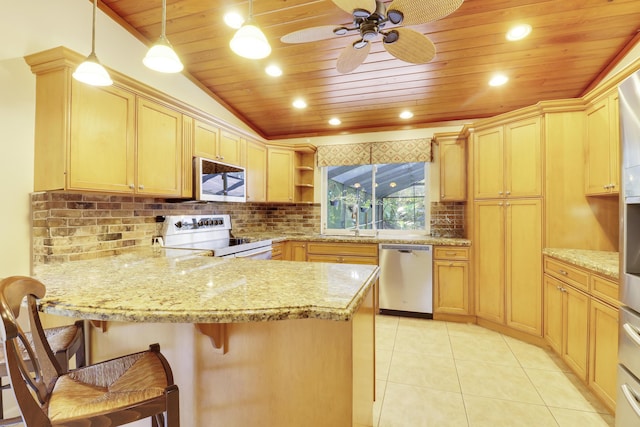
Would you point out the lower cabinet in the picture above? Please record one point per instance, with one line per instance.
(277, 250)
(581, 325)
(566, 323)
(451, 293)
(603, 351)
(295, 251)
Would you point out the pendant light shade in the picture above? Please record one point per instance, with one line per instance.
(91, 71)
(161, 57)
(249, 41)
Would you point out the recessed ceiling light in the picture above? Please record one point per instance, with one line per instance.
(233, 19)
(498, 80)
(334, 121)
(300, 103)
(406, 115)
(392, 184)
(273, 70)
(518, 32)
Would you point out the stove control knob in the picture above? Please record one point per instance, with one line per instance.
(178, 224)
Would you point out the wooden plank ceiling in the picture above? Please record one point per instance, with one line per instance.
(570, 48)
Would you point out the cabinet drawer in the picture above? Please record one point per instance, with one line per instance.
(451, 252)
(276, 250)
(358, 249)
(567, 273)
(604, 289)
(341, 259)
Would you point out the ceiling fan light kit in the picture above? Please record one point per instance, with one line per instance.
(161, 57)
(369, 18)
(91, 71)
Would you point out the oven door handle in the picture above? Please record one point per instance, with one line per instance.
(632, 397)
(250, 253)
(632, 332)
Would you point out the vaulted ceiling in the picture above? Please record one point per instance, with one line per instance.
(572, 46)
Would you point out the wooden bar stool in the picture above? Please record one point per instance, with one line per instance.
(65, 341)
(112, 393)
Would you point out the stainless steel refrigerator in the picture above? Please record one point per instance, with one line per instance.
(628, 392)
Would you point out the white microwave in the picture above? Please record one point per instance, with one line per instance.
(215, 181)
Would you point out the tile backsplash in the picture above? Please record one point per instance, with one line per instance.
(71, 226)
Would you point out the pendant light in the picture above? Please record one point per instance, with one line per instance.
(161, 57)
(90, 71)
(249, 41)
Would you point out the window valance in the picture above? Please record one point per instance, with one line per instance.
(366, 153)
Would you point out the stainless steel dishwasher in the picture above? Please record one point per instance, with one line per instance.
(406, 280)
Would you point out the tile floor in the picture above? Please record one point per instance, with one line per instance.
(433, 373)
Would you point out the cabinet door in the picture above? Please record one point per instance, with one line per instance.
(279, 175)
(489, 259)
(159, 158)
(488, 164)
(102, 139)
(576, 330)
(205, 140)
(553, 312)
(599, 146)
(524, 265)
(451, 287)
(230, 148)
(256, 172)
(296, 251)
(453, 170)
(603, 355)
(523, 159)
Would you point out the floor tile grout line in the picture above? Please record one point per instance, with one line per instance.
(455, 364)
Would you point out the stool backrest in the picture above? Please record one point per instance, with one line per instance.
(32, 382)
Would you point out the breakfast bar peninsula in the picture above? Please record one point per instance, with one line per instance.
(250, 342)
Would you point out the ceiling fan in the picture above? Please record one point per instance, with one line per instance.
(369, 19)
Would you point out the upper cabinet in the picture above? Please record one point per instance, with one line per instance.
(256, 163)
(453, 167)
(602, 147)
(159, 144)
(508, 160)
(217, 144)
(290, 174)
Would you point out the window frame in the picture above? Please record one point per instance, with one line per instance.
(374, 231)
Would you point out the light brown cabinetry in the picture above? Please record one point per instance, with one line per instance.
(451, 293)
(101, 139)
(602, 157)
(295, 251)
(566, 315)
(277, 251)
(603, 351)
(508, 160)
(290, 174)
(217, 144)
(508, 264)
(159, 149)
(280, 164)
(581, 324)
(256, 164)
(453, 166)
(347, 253)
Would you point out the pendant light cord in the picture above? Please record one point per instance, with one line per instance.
(164, 19)
(93, 28)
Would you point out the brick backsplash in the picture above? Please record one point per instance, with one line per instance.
(72, 226)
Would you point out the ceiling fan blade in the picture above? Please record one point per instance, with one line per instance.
(311, 34)
(350, 58)
(420, 11)
(411, 46)
(350, 5)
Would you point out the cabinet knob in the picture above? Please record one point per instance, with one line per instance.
(500, 193)
(141, 187)
(131, 186)
(442, 197)
(563, 272)
(508, 192)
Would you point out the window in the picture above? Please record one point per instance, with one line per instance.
(376, 197)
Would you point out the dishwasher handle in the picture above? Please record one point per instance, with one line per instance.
(405, 248)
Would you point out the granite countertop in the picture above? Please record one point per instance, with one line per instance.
(153, 285)
(602, 262)
(334, 238)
